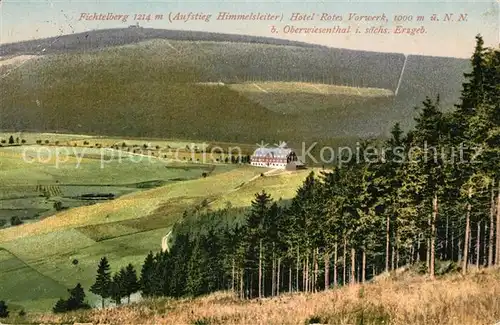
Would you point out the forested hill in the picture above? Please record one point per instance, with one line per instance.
(98, 39)
(288, 61)
(114, 76)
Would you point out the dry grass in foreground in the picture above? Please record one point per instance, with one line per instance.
(451, 300)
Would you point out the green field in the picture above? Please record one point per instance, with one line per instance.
(44, 268)
(37, 258)
(16, 277)
(33, 178)
(32, 137)
(299, 97)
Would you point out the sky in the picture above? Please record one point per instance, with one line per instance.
(25, 20)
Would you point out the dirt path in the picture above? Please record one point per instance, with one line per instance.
(15, 63)
(164, 242)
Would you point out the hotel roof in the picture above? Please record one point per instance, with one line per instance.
(272, 152)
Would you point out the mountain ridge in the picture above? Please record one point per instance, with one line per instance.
(191, 35)
(120, 78)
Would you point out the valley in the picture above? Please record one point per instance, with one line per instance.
(148, 197)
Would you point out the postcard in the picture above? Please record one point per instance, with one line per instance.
(239, 162)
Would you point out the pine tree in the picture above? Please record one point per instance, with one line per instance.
(102, 285)
(390, 182)
(131, 281)
(197, 272)
(374, 188)
(254, 233)
(4, 310)
(11, 140)
(333, 211)
(61, 306)
(117, 291)
(77, 298)
(147, 276)
(174, 270)
(478, 122)
(473, 88)
(305, 213)
(429, 134)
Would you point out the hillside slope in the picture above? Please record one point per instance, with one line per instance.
(407, 299)
(98, 39)
(150, 87)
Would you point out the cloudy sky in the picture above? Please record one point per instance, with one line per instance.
(31, 19)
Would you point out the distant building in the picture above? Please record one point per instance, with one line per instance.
(277, 158)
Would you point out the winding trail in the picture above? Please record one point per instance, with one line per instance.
(15, 63)
(317, 88)
(164, 242)
(260, 88)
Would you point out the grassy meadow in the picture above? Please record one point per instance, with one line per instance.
(34, 177)
(53, 250)
(32, 137)
(297, 97)
(397, 299)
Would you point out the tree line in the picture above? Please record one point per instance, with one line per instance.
(118, 286)
(438, 211)
(13, 141)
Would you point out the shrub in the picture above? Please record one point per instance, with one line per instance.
(4, 311)
(15, 221)
(444, 267)
(74, 302)
(58, 206)
(61, 306)
(202, 321)
(313, 320)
